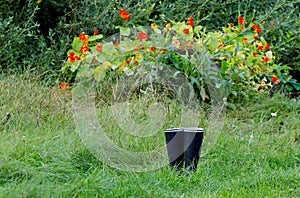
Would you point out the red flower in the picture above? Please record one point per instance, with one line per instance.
(274, 78)
(84, 49)
(191, 21)
(267, 47)
(186, 31)
(125, 15)
(152, 49)
(266, 59)
(255, 54)
(164, 51)
(136, 49)
(143, 36)
(220, 45)
(64, 86)
(231, 25)
(245, 40)
(96, 32)
(255, 36)
(277, 82)
(260, 47)
(84, 38)
(128, 62)
(116, 45)
(81, 36)
(256, 28)
(243, 27)
(73, 58)
(99, 48)
(77, 57)
(241, 20)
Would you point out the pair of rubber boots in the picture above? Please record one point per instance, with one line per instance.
(184, 146)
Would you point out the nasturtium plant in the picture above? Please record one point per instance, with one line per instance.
(238, 52)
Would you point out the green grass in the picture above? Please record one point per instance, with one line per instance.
(41, 154)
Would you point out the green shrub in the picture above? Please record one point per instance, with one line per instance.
(37, 34)
(17, 35)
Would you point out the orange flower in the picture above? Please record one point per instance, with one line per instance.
(221, 44)
(256, 28)
(260, 47)
(84, 38)
(168, 26)
(266, 59)
(116, 45)
(143, 36)
(81, 36)
(255, 54)
(241, 20)
(164, 51)
(84, 49)
(267, 47)
(64, 86)
(125, 15)
(230, 25)
(191, 21)
(275, 80)
(255, 36)
(99, 48)
(136, 49)
(73, 58)
(245, 40)
(243, 27)
(152, 49)
(186, 31)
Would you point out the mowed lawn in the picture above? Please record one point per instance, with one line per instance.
(42, 155)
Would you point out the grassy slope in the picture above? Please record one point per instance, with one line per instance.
(41, 155)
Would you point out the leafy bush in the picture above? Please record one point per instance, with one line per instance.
(17, 36)
(48, 29)
(245, 58)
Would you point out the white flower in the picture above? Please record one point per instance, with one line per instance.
(269, 54)
(274, 114)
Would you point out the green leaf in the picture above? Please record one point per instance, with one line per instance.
(285, 67)
(66, 67)
(75, 66)
(124, 31)
(95, 37)
(264, 42)
(77, 44)
(194, 81)
(296, 86)
(202, 93)
(85, 72)
(223, 67)
(234, 93)
(197, 29)
(289, 87)
(99, 73)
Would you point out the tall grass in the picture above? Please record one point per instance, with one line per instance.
(41, 154)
